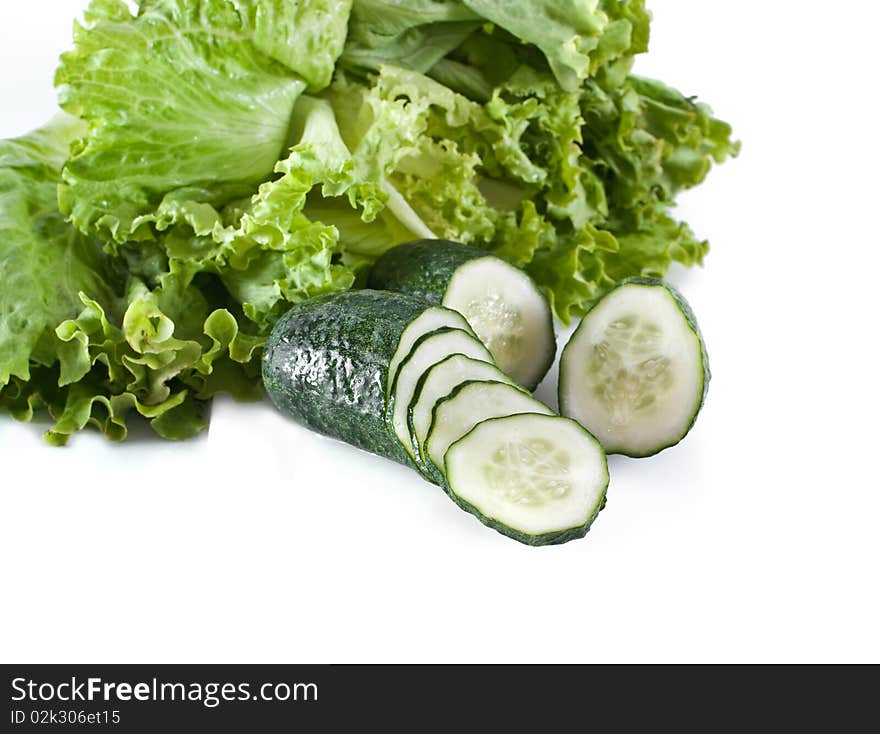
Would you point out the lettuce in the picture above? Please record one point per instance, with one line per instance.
(415, 35)
(574, 187)
(577, 40)
(44, 262)
(87, 342)
(220, 160)
(188, 104)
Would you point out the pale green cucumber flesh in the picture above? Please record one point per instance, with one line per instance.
(539, 479)
(510, 315)
(472, 403)
(635, 372)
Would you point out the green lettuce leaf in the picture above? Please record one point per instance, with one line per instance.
(576, 188)
(89, 343)
(576, 40)
(44, 263)
(307, 36)
(188, 105)
(415, 34)
(566, 32)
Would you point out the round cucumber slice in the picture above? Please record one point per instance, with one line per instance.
(635, 372)
(540, 479)
(509, 314)
(470, 404)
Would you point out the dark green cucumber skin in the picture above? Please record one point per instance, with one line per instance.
(422, 268)
(557, 537)
(691, 319)
(325, 365)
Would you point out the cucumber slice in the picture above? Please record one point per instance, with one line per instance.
(472, 403)
(430, 320)
(539, 479)
(635, 372)
(438, 382)
(509, 314)
(427, 351)
(326, 365)
(503, 305)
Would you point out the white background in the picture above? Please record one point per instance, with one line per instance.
(754, 540)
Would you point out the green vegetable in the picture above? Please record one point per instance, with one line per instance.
(326, 366)
(86, 342)
(415, 34)
(635, 372)
(231, 158)
(426, 352)
(433, 319)
(45, 263)
(539, 479)
(469, 404)
(438, 382)
(502, 304)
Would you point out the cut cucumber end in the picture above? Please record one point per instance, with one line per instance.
(509, 315)
(470, 404)
(539, 479)
(635, 372)
(427, 351)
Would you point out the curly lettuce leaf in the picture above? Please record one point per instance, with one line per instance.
(329, 210)
(145, 365)
(576, 188)
(188, 105)
(44, 263)
(79, 343)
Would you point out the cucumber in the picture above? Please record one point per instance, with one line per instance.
(635, 372)
(539, 479)
(326, 365)
(504, 306)
(472, 403)
(430, 320)
(427, 351)
(438, 382)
